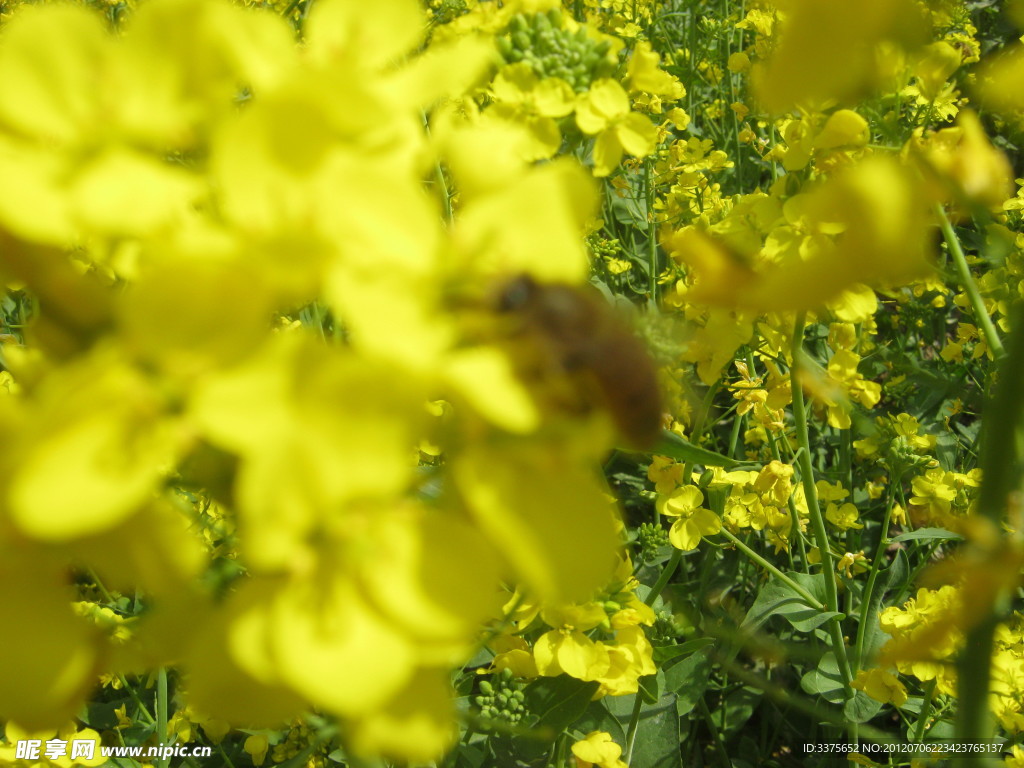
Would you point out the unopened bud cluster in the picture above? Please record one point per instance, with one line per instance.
(652, 539)
(501, 698)
(600, 246)
(540, 41)
(444, 11)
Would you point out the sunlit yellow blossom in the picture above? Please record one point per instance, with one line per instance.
(567, 650)
(521, 94)
(881, 685)
(665, 473)
(851, 561)
(966, 164)
(879, 217)
(645, 75)
(694, 522)
(604, 112)
(598, 749)
(843, 517)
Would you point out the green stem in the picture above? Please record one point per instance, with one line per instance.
(634, 722)
(143, 710)
(963, 272)
(814, 509)
(666, 574)
(716, 735)
(161, 714)
(734, 437)
(876, 564)
(446, 198)
(814, 710)
(926, 708)
(652, 238)
(698, 423)
(1000, 465)
(442, 185)
(811, 599)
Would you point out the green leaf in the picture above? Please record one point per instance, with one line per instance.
(927, 534)
(558, 701)
(688, 678)
(825, 680)
(890, 578)
(675, 447)
(777, 598)
(861, 708)
(650, 686)
(598, 718)
(665, 653)
(657, 736)
(739, 707)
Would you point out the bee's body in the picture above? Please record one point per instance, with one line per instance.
(583, 337)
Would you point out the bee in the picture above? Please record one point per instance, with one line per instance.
(574, 331)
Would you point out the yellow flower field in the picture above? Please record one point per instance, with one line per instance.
(511, 383)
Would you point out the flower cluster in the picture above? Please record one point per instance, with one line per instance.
(248, 314)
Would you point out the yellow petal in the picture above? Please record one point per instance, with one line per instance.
(553, 97)
(128, 194)
(45, 675)
(557, 531)
(485, 378)
(336, 650)
(607, 153)
(603, 103)
(417, 724)
(51, 62)
(845, 128)
(373, 34)
(827, 49)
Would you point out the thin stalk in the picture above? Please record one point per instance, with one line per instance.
(634, 722)
(161, 715)
(811, 599)
(926, 708)
(876, 564)
(442, 185)
(666, 574)
(811, 495)
(814, 710)
(446, 198)
(734, 437)
(652, 239)
(963, 272)
(716, 734)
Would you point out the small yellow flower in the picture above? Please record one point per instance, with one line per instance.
(604, 112)
(598, 750)
(844, 518)
(881, 685)
(851, 561)
(694, 523)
